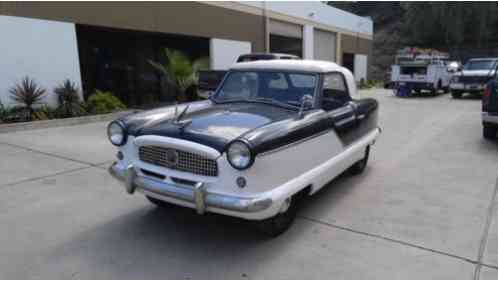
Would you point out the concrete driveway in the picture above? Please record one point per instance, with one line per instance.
(424, 208)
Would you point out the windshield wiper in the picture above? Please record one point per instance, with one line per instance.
(270, 100)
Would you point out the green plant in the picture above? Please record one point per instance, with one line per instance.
(69, 100)
(368, 84)
(103, 102)
(45, 112)
(6, 113)
(27, 94)
(180, 71)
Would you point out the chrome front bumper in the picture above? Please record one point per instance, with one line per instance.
(197, 195)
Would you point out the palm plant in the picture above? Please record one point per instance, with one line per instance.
(179, 70)
(27, 94)
(68, 99)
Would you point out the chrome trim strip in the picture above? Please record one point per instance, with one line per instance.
(294, 143)
(344, 121)
(198, 195)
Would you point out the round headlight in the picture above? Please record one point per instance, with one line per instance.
(239, 155)
(116, 133)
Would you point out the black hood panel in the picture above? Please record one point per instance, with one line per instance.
(214, 125)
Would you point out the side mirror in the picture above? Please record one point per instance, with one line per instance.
(306, 103)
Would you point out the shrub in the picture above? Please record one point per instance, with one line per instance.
(69, 100)
(103, 102)
(5, 113)
(27, 94)
(45, 112)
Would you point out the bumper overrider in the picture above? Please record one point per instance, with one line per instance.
(197, 195)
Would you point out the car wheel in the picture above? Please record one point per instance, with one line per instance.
(360, 166)
(158, 203)
(489, 132)
(278, 224)
(456, 94)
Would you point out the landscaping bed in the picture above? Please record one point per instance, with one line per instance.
(40, 124)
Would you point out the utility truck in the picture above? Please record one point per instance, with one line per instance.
(420, 70)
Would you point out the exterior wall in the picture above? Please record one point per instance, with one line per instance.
(318, 14)
(308, 40)
(188, 18)
(352, 44)
(360, 67)
(224, 53)
(46, 51)
(356, 45)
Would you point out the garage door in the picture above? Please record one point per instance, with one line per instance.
(286, 29)
(324, 45)
(286, 38)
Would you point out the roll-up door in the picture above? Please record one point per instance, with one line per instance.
(286, 29)
(286, 38)
(324, 45)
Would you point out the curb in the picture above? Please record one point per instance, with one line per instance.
(24, 126)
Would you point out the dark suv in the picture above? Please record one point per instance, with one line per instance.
(490, 109)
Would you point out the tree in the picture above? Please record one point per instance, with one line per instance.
(180, 71)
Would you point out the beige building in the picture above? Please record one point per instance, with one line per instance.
(107, 45)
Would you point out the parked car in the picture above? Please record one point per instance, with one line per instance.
(473, 77)
(420, 70)
(490, 110)
(274, 133)
(210, 79)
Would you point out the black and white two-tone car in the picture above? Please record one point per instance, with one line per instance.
(273, 133)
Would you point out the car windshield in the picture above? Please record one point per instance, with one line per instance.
(284, 88)
(479, 64)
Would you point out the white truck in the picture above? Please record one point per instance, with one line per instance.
(419, 70)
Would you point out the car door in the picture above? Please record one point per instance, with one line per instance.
(351, 119)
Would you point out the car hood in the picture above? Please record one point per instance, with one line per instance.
(475, 72)
(207, 123)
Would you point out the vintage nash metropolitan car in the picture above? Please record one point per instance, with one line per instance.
(273, 133)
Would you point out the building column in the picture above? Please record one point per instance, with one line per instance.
(338, 49)
(308, 42)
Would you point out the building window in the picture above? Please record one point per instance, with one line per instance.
(117, 60)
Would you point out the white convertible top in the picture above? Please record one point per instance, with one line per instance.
(297, 65)
(313, 66)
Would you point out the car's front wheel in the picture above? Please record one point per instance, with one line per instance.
(279, 223)
(489, 132)
(360, 166)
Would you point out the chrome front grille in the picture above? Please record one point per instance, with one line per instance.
(178, 160)
(474, 79)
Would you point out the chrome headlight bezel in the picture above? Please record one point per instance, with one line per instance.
(243, 151)
(114, 129)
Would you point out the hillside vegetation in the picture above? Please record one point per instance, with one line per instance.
(464, 29)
